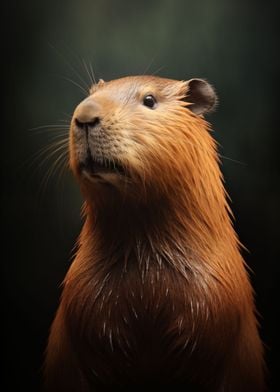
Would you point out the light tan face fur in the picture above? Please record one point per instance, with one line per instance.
(113, 128)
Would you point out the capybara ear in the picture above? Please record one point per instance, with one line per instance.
(201, 96)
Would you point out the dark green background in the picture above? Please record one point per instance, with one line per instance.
(234, 44)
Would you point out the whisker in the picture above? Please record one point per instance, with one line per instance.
(76, 84)
(158, 70)
(52, 132)
(220, 155)
(63, 167)
(88, 68)
(60, 159)
(49, 151)
(50, 126)
(232, 160)
(92, 72)
(60, 135)
(131, 92)
(54, 144)
(53, 153)
(149, 64)
(88, 73)
(84, 65)
(73, 69)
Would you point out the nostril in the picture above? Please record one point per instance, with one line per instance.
(87, 124)
(94, 122)
(79, 124)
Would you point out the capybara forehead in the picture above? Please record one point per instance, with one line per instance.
(129, 87)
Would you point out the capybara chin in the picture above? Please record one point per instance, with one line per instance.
(158, 294)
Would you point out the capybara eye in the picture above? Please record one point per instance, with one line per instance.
(149, 101)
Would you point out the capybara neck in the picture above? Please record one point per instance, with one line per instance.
(191, 212)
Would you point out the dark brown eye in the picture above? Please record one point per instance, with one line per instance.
(149, 101)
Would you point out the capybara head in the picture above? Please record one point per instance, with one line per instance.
(141, 134)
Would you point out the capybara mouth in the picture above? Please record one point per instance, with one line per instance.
(95, 167)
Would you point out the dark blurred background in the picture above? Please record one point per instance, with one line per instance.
(234, 44)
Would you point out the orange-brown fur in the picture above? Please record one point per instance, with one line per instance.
(158, 294)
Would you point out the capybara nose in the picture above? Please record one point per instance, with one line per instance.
(87, 114)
